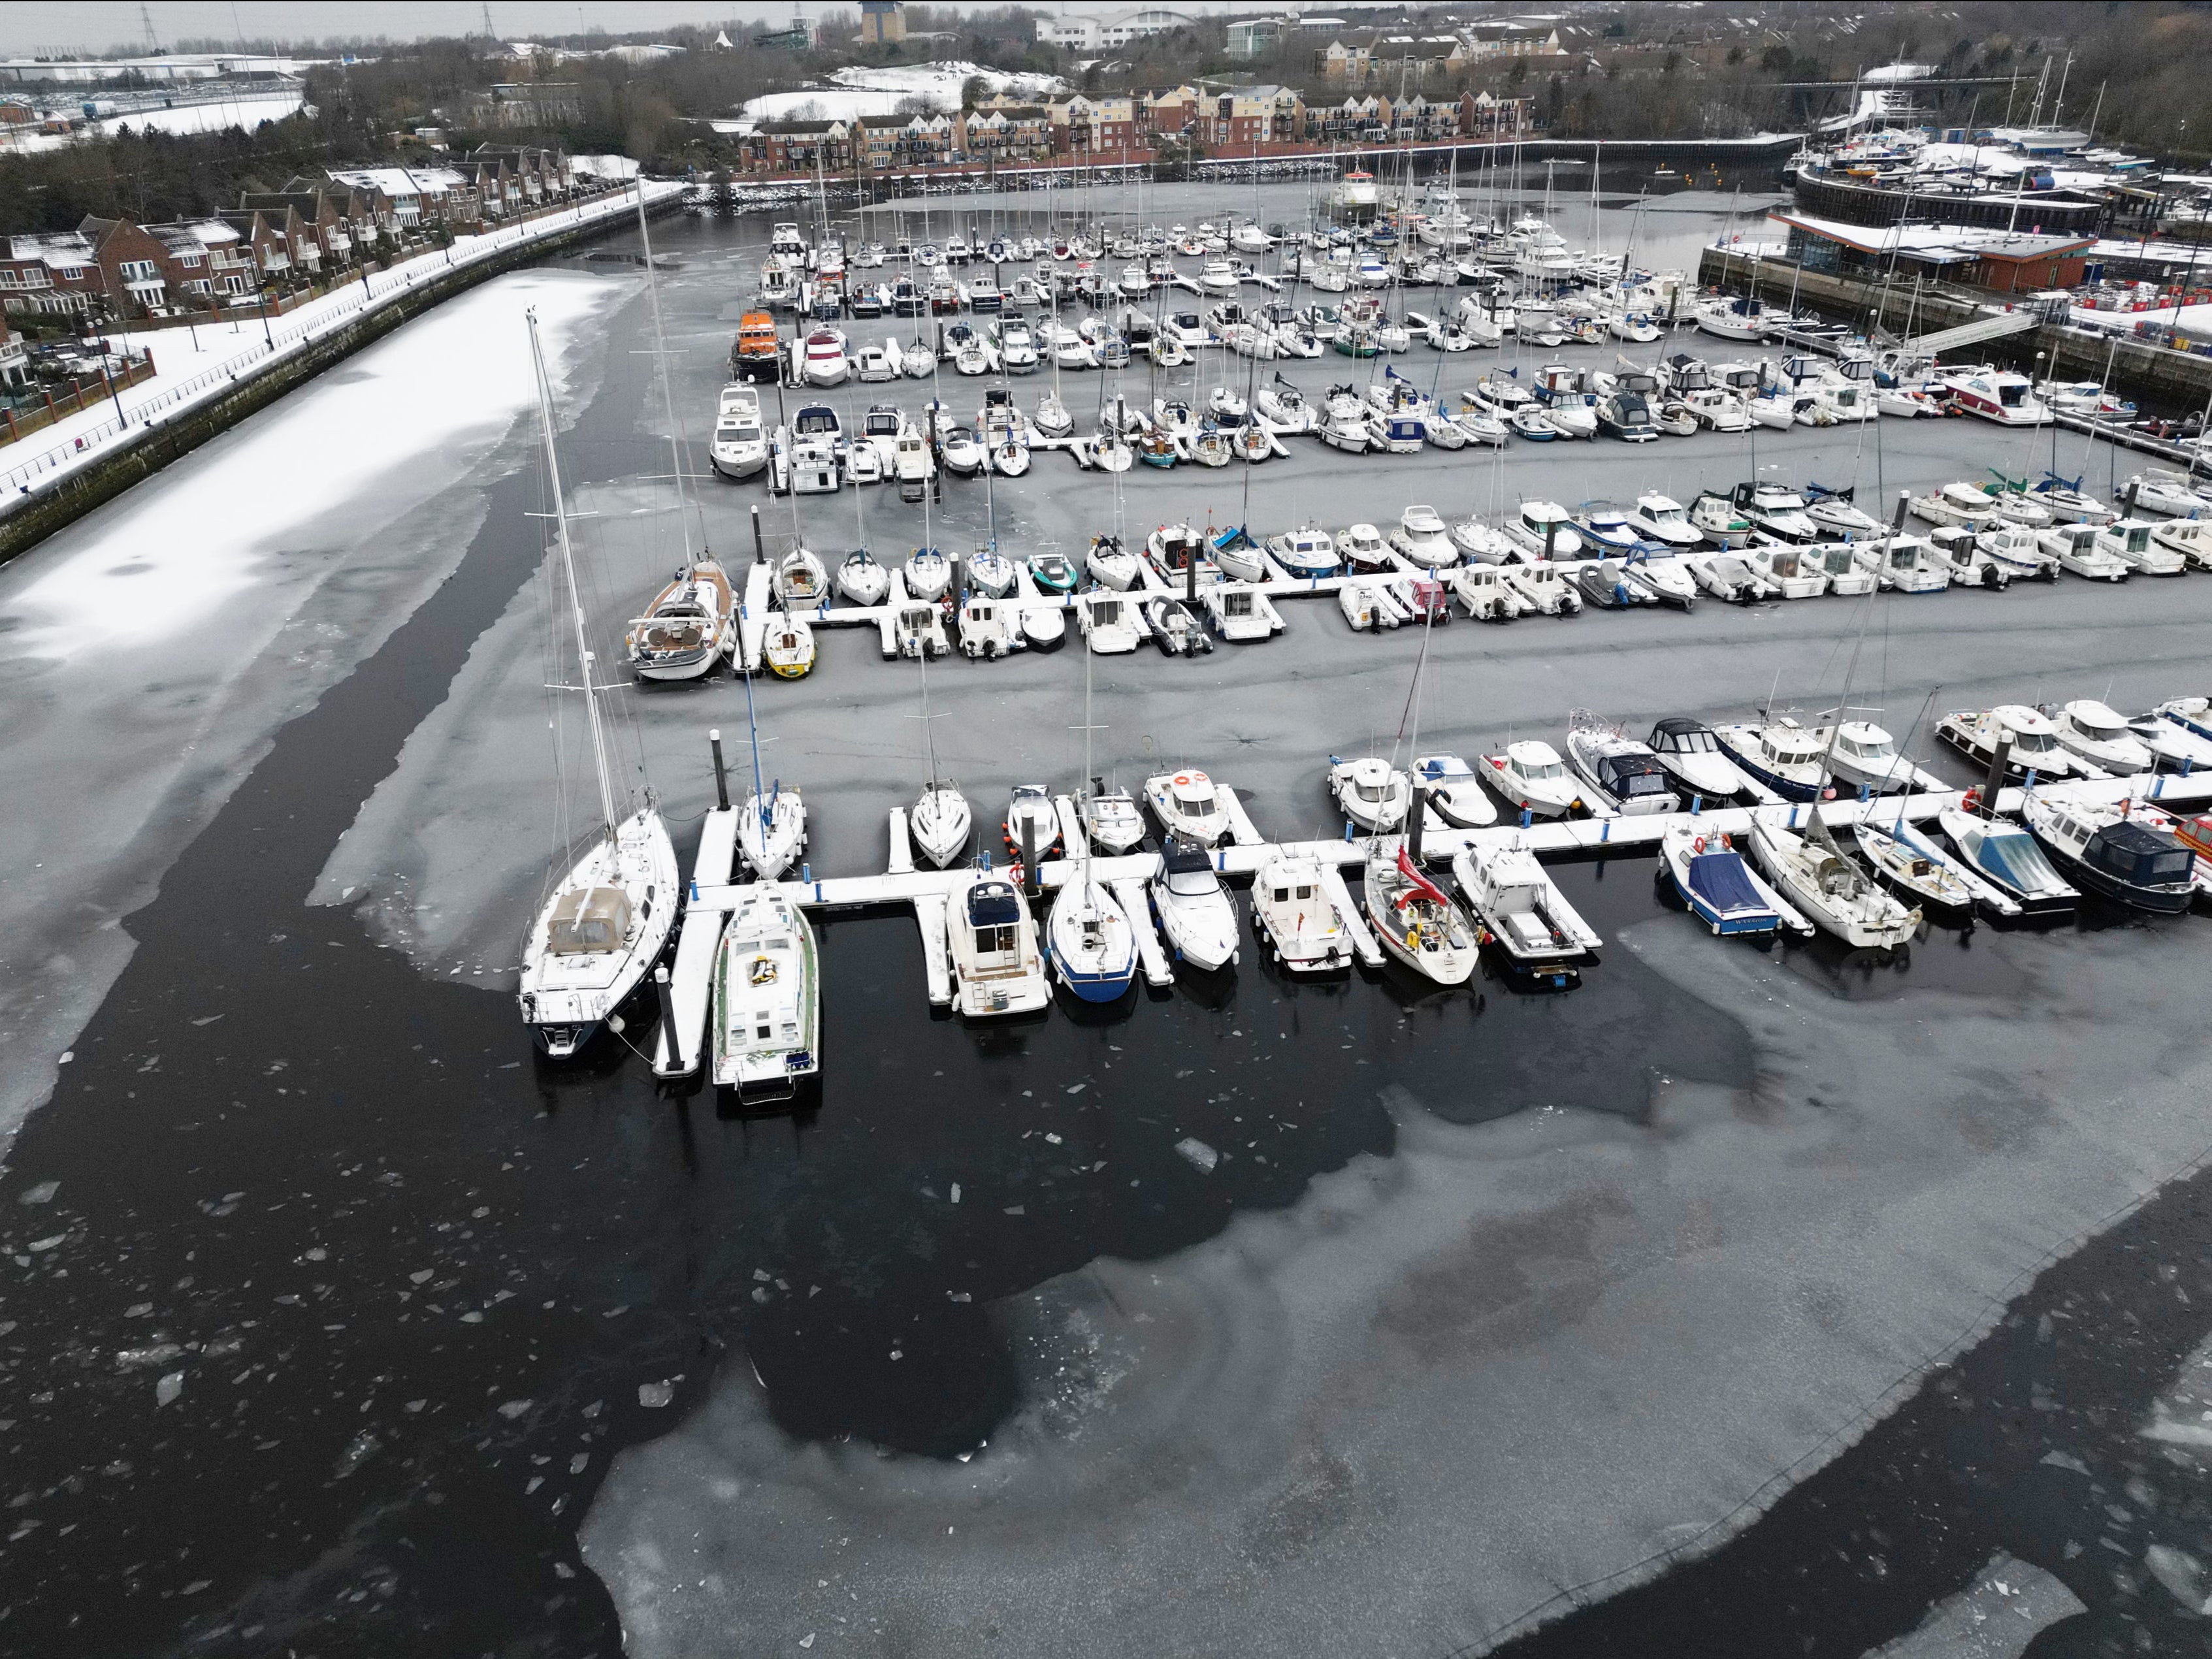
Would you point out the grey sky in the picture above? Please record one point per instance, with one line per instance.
(99, 25)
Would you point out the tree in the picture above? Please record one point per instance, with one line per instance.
(974, 90)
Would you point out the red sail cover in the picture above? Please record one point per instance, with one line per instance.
(1423, 887)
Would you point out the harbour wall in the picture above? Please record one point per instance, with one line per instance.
(155, 444)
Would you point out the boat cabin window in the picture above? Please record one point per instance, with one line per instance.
(2009, 393)
(2139, 539)
(2097, 731)
(593, 921)
(2033, 743)
(1904, 556)
(1539, 769)
(816, 420)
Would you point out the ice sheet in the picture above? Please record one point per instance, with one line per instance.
(1447, 1383)
(151, 649)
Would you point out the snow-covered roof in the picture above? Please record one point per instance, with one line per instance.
(1958, 242)
(396, 182)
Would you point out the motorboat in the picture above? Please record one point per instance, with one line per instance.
(1621, 773)
(1305, 552)
(1174, 628)
(2100, 736)
(879, 434)
(1109, 621)
(2014, 548)
(1414, 919)
(2030, 741)
(938, 823)
(997, 966)
(1904, 858)
(1530, 776)
(1862, 756)
(2168, 494)
(1240, 558)
(1453, 792)
(1523, 911)
(929, 574)
(1666, 581)
(1483, 544)
(1018, 344)
(1422, 540)
(1110, 564)
(2194, 713)
(1544, 590)
(1900, 564)
(1958, 554)
(1604, 583)
(824, 362)
(2190, 537)
(989, 627)
(1545, 530)
(962, 453)
(1295, 920)
(1955, 503)
(2008, 857)
(739, 447)
(1111, 820)
(1044, 627)
(1606, 530)
(1197, 917)
(1372, 793)
(1365, 552)
(1730, 578)
(1717, 519)
(2172, 746)
(918, 631)
(1479, 423)
(1691, 750)
(1777, 513)
(2143, 553)
(1779, 754)
(2103, 850)
(1836, 515)
(1996, 394)
(1031, 825)
(767, 1018)
(1661, 519)
(1054, 573)
(1838, 562)
(1187, 805)
(1488, 593)
(1344, 425)
(1833, 892)
(862, 579)
(2080, 550)
(1241, 613)
(1719, 885)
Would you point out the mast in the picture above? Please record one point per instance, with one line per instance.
(569, 570)
(667, 397)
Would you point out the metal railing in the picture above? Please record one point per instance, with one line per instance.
(23, 480)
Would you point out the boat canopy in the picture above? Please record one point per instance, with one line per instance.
(1720, 880)
(1627, 777)
(591, 921)
(2014, 858)
(2138, 854)
(993, 904)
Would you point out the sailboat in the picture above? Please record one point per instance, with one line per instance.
(1089, 939)
(940, 818)
(606, 922)
(689, 625)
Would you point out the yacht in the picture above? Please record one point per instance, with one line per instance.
(739, 447)
(1110, 564)
(2031, 741)
(801, 581)
(862, 579)
(1530, 776)
(2101, 849)
(1862, 756)
(1778, 753)
(940, 821)
(1197, 917)
(997, 967)
(2100, 736)
(1422, 540)
(1902, 857)
(1089, 941)
(824, 362)
(1453, 792)
(767, 1020)
(1995, 394)
(1523, 910)
(1187, 805)
(1662, 519)
(1370, 791)
(1622, 774)
(1111, 819)
(1692, 751)
(1296, 922)
(1545, 530)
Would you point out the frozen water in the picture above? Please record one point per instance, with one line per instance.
(1506, 1358)
(1202, 1157)
(150, 650)
(2009, 1605)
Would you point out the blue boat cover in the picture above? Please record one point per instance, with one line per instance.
(2012, 857)
(1720, 880)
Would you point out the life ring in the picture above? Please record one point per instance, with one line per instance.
(1698, 845)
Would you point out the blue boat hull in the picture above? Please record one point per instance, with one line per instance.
(1094, 987)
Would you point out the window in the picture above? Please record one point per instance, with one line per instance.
(139, 270)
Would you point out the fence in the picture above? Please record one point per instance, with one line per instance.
(24, 416)
(334, 311)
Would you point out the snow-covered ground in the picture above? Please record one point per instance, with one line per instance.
(864, 91)
(200, 362)
(212, 117)
(184, 623)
